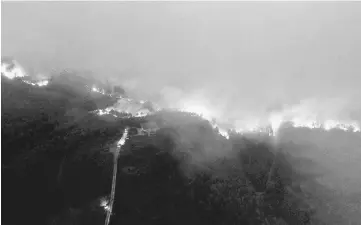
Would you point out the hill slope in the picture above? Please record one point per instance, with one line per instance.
(56, 169)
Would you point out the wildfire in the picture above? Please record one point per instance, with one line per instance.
(314, 123)
(121, 142)
(100, 91)
(12, 70)
(104, 202)
(199, 110)
(39, 83)
(105, 111)
(273, 123)
(95, 89)
(126, 106)
(297, 116)
(223, 132)
(206, 114)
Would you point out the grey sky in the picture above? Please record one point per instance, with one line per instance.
(240, 55)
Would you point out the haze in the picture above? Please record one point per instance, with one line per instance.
(236, 57)
(239, 60)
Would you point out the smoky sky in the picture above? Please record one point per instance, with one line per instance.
(235, 56)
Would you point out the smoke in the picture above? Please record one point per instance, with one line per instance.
(343, 109)
(195, 143)
(243, 64)
(334, 154)
(237, 60)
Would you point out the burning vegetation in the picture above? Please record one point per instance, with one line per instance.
(181, 160)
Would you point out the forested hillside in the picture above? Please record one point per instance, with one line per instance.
(56, 169)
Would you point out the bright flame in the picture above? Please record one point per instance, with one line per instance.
(142, 113)
(42, 83)
(351, 126)
(312, 123)
(123, 109)
(16, 71)
(105, 111)
(121, 142)
(296, 116)
(314, 114)
(105, 204)
(39, 83)
(100, 91)
(271, 126)
(223, 132)
(276, 122)
(96, 90)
